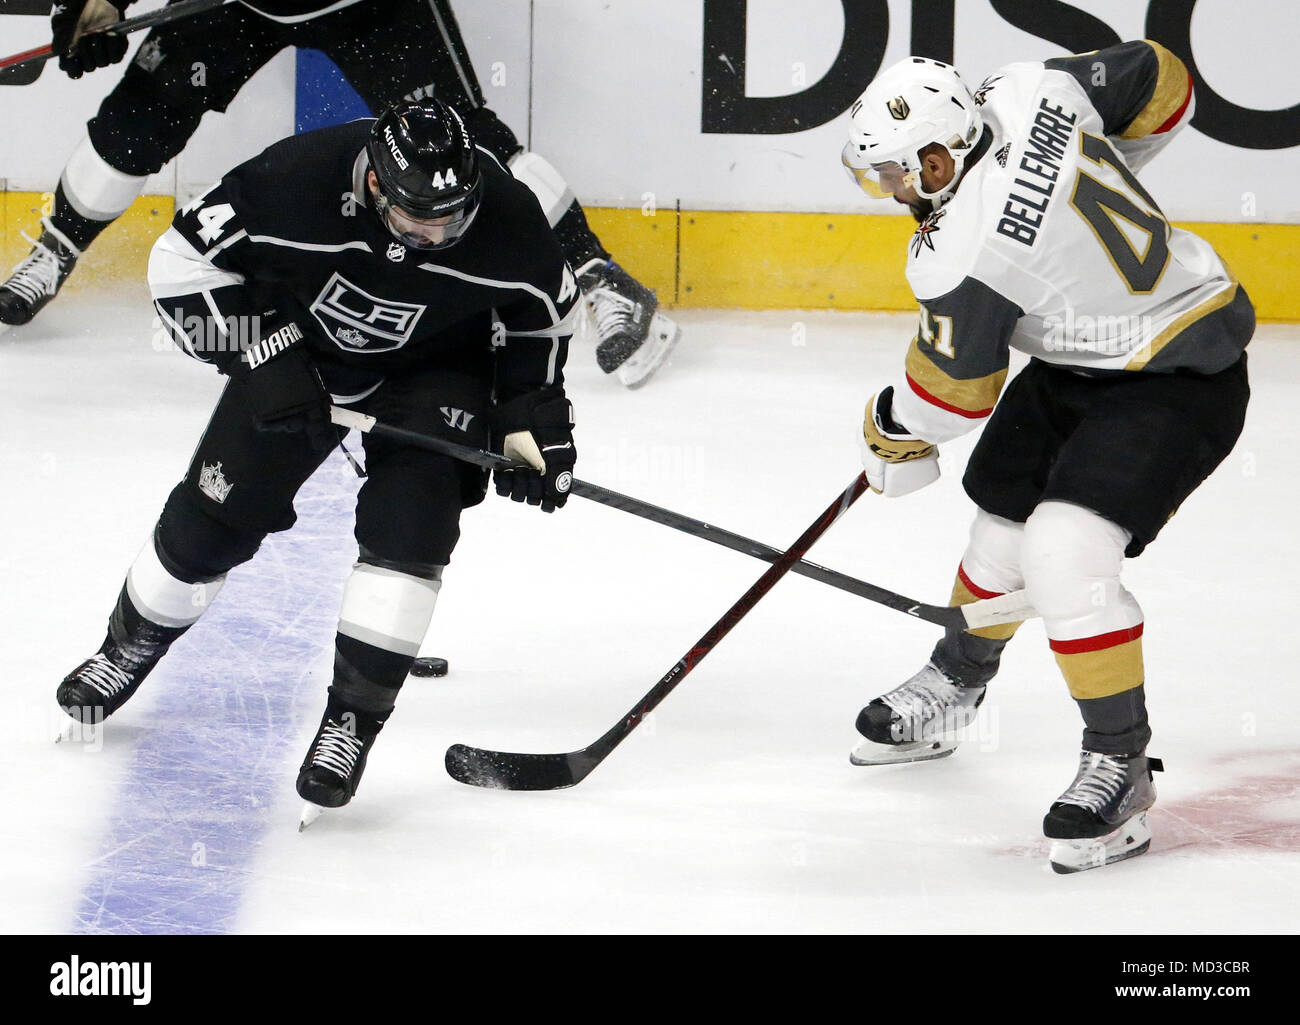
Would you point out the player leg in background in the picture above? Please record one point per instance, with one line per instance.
(408, 523)
(180, 71)
(239, 487)
(917, 720)
(416, 50)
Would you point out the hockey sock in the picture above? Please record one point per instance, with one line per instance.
(1116, 724)
(153, 609)
(971, 658)
(1071, 559)
(79, 230)
(91, 195)
(383, 620)
(578, 242)
(563, 212)
(361, 722)
(135, 642)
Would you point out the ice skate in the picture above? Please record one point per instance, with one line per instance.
(335, 762)
(97, 688)
(1102, 818)
(36, 280)
(916, 722)
(633, 337)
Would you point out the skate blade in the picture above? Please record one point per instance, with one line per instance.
(76, 732)
(638, 368)
(310, 813)
(1128, 841)
(871, 753)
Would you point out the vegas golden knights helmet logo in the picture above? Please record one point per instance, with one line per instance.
(898, 108)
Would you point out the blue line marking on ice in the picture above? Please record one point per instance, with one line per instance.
(218, 746)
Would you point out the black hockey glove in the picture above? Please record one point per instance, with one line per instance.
(280, 384)
(538, 430)
(77, 52)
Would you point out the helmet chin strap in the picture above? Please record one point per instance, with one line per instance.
(940, 196)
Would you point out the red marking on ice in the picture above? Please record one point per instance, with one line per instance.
(1239, 817)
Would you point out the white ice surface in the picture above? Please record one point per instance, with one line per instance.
(734, 807)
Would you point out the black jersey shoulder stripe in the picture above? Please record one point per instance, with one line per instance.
(238, 236)
(516, 286)
(483, 149)
(277, 13)
(311, 247)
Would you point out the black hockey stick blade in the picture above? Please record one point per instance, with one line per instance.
(508, 770)
(513, 770)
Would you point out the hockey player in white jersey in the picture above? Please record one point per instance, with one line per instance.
(1035, 234)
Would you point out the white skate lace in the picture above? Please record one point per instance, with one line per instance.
(927, 696)
(37, 276)
(337, 750)
(104, 676)
(1100, 778)
(614, 313)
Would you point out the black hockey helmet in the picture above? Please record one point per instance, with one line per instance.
(430, 184)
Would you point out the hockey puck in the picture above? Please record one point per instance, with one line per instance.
(429, 667)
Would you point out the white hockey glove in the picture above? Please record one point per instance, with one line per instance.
(897, 463)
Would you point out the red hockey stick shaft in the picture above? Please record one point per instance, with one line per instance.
(509, 770)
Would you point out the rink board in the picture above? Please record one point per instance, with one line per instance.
(723, 259)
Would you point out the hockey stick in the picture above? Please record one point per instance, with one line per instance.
(1006, 608)
(506, 770)
(162, 16)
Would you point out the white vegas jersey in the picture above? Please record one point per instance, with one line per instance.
(1053, 247)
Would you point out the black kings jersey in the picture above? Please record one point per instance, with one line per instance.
(295, 226)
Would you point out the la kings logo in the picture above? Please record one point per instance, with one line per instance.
(213, 483)
(357, 320)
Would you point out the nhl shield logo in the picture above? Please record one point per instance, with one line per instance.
(396, 252)
(898, 108)
(213, 483)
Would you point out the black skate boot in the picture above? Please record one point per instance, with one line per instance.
(97, 688)
(917, 721)
(633, 337)
(107, 680)
(37, 279)
(331, 772)
(1102, 818)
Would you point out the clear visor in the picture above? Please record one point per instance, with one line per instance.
(426, 232)
(879, 181)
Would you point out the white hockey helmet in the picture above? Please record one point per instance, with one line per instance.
(908, 106)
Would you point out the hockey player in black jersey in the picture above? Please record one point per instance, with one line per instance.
(387, 49)
(395, 269)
